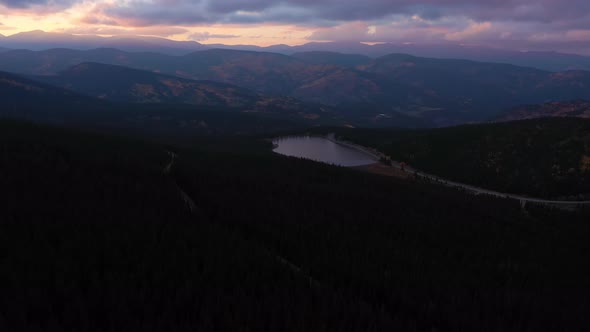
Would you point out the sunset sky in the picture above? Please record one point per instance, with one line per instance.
(562, 25)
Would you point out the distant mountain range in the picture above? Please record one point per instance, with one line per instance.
(332, 58)
(440, 91)
(24, 98)
(39, 40)
(551, 61)
(575, 108)
(122, 84)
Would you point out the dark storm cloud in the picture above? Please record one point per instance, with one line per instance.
(303, 11)
(149, 12)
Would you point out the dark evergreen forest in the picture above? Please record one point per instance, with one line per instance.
(99, 233)
(547, 158)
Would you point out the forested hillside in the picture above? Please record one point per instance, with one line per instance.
(441, 92)
(122, 84)
(28, 99)
(574, 108)
(543, 157)
(96, 234)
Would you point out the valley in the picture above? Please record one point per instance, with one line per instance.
(392, 90)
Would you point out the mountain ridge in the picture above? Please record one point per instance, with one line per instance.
(41, 40)
(123, 84)
(546, 60)
(443, 91)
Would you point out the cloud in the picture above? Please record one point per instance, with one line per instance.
(202, 36)
(354, 31)
(298, 11)
(544, 23)
(474, 30)
(98, 20)
(5, 27)
(323, 12)
(29, 3)
(26, 4)
(116, 31)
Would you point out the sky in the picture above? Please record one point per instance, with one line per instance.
(556, 25)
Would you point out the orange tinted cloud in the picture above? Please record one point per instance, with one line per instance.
(534, 24)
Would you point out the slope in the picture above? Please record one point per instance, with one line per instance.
(24, 98)
(117, 83)
(27, 98)
(441, 91)
(332, 58)
(574, 108)
(543, 157)
(275, 244)
(93, 228)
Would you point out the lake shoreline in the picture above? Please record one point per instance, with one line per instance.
(324, 149)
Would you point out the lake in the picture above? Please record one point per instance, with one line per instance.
(323, 150)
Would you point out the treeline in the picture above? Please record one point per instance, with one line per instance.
(426, 257)
(94, 236)
(547, 158)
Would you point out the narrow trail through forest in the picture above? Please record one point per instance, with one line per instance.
(192, 206)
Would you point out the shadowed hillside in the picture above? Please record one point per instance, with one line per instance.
(544, 158)
(439, 91)
(96, 233)
(27, 99)
(24, 98)
(121, 84)
(333, 58)
(576, 108)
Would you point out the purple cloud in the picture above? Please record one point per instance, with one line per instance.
(202, 36)
(23, 4)
(546, 24)
(198, 11)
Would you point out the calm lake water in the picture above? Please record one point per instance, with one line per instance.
(321, 149)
